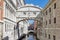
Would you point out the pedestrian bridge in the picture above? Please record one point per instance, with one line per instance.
(31, 31)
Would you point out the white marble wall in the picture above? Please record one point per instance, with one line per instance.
(9, 12)
(9, 21)
(26, 24)
(23, 27)
(1, 26)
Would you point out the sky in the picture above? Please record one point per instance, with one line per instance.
(31, 21)
(40, 3)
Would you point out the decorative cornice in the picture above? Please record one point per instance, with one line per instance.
(1, 21)
(9, 19)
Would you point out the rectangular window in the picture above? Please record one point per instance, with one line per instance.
(46, 22)
(34, 13)
(49, 36)
(46, 12)
(55, 20)
(54, 38)
(24, 13)
(49, 9)
(49, 21)
(55, 6)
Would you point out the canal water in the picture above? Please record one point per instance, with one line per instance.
(31, 37)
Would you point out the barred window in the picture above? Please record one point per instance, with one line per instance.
(49, 9)
(49, 36)
(55, 20)
(55, 6)
(54, 37)
(46, 12)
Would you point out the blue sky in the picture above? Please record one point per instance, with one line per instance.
(40, 3)
(31, 21)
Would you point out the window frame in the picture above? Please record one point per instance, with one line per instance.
(49, 36)
(54, 5)
(54, 19)
(50, 9)
(54, 37)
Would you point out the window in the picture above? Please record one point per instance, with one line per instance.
(24, 13)
(49, 9)
(55, 20)
(46, 12)
(46, 22)
(54, 38)
(49, 36)
(49, 21)
(55, 6)
(35, 13)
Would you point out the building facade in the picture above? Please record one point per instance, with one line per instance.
(51, 20)
(39, 26)
(7, 19)
(1, 19)
(20, 3)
